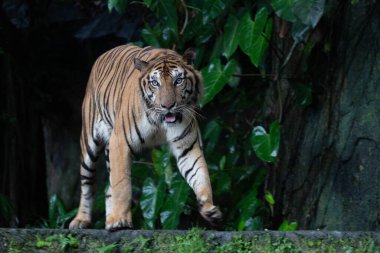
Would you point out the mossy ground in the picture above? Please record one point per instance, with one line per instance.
(192, 241)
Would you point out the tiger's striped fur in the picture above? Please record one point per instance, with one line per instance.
(138, 98)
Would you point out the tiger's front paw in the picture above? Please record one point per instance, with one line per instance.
(78, 223)
(211, 213)
(115, 222)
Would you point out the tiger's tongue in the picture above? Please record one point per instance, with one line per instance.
(170, 118)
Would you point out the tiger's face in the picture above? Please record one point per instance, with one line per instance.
(171, 88)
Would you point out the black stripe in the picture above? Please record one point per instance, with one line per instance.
(136, 128)
(108, 196)
(84, 166)
(194, 174)
(180, 163)
(184, 133)
(126, 138)
(146, 49)
(192, 167)
(83, 177)
(93, 157)
(87, 183)
(187, 150)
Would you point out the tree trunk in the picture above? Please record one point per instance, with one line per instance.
(328, 173)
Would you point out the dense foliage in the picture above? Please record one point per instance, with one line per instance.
(232, 40)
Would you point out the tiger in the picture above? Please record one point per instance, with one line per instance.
(139, 98)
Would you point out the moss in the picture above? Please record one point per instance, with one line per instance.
(193, 241)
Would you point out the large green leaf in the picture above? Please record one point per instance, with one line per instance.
(162, 164)
(231, 37)
(249, 203)
(265, 144)
(303, 93)
(309, 12)
(215, 76)
(212, 134)
(211, 10)
(151, 36)
(118, 5)
(174, 204)
(286, 226)
(151, 200)
(166, 11)
(254, 35)
(284, 9)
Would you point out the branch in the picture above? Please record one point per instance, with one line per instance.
(186, 18)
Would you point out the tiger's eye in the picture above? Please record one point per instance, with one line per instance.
(154, 83)
(179, 81)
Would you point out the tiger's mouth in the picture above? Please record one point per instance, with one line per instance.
(171, 118)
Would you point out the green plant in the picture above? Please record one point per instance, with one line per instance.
(57, 241)
(7, 211)
(108, 248)
(57, 215)
(164, 194)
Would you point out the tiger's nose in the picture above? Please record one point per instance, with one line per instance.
(168, 105)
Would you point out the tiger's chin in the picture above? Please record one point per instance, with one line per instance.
(170, 119)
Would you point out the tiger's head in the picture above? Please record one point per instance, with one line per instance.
(170, 86)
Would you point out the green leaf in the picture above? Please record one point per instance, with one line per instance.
(309, 12)
(174, 204)
(148, 3)
(222, 162)
(248, 205)
(215, 76)
(231, 37)
(286, 226)
(223, 183)
(151, 37)
(162, 164)
(303, 94)
(161, 159)
(151, 200)
(269, 198)
(218, 48)
(254, 35)
(211, 10)
(212, 133)
(284, 9)
(118, 5)
(166, 10)
(265, 144)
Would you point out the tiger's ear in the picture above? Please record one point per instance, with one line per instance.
(189, 56)
(140, 64)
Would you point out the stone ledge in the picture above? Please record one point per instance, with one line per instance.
(91, 240)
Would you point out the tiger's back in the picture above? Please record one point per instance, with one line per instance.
(136, 98)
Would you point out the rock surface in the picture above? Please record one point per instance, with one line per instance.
(195, 240)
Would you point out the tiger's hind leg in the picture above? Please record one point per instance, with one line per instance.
(109, 189)
(90, 153)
